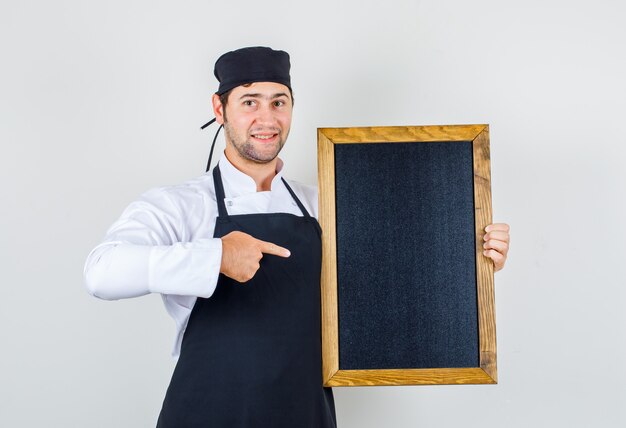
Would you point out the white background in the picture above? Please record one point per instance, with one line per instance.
(100, 101)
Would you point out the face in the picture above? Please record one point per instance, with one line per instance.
(256, 119)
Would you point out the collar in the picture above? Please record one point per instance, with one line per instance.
(237, 183)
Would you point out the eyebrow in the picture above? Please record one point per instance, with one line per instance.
(256, 95)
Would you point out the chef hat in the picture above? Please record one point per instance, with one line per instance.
(252, 64)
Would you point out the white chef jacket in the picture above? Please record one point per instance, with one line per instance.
(163, 242)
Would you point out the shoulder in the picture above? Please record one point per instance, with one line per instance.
(173, 202)
(307, 193)
(191, 191)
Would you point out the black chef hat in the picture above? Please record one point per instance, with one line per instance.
(252, 64)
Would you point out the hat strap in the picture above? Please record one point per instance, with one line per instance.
(208, 123)
(208, 165)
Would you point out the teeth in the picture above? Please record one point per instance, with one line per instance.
(264, 137)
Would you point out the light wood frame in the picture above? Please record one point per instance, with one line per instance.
(486, 373)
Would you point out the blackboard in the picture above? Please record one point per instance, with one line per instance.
(407, 296)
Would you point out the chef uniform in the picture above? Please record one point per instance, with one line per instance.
(251, 353)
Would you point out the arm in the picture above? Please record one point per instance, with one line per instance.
(149, 250)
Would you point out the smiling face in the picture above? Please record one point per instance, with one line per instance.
(256, 120)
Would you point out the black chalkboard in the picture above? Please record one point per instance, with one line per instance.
(406, 272)
(407, 296)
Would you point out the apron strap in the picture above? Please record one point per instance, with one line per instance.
(219, 192)
(295, 198)
(220, 195)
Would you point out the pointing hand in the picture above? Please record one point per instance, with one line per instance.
(242, 253)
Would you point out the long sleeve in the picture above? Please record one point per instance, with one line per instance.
(155, 247)
(163, 242)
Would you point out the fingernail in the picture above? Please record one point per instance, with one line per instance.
(287, 253)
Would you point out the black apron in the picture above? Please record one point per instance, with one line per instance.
(251, 353)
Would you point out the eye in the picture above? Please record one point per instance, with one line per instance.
(279, 103)
(248, 102)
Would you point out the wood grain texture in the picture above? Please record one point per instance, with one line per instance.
(330, 325)
(332, 376)
(402, 134)
(443, 376)
(484, 265)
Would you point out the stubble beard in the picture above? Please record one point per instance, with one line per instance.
(246, 148)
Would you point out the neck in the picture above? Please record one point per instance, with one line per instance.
(261, 173)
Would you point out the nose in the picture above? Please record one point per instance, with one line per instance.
(266, 116)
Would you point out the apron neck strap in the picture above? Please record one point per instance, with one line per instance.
(295, 198)
(220, 195)
(219, 192)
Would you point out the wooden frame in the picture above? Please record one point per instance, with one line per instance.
(486, 372)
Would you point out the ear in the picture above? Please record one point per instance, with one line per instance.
(218, 109)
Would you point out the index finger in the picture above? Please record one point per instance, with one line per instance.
(270, 248)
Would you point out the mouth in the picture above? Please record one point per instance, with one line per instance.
(265, 137)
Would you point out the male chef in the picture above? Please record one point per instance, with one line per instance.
(236, 257)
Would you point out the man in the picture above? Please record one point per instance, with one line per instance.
(251, 354)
